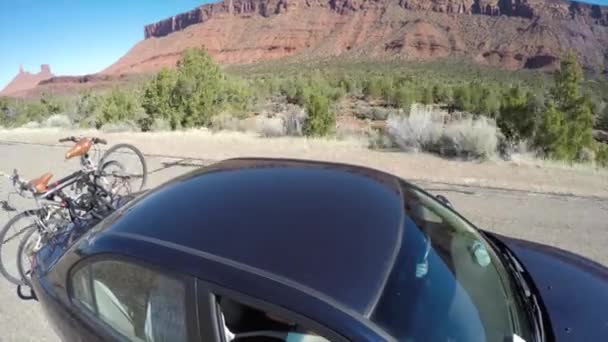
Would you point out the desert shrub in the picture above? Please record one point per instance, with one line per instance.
(270, 126)
(602, 121)
(586, 155)
(378, 140)
(418, 131)
(567, 124)
(601, 155)
(192, 94)
(404, 97)
(52, 104)
(365, 111)
(469, 138)
(6, 110)
(119, 126)
(157, 100)
(441, 94)
(58, 121)
(516, 121)
(488, 103)
(426, 95)
(235, 95)
(320, 121)
(31, 124)
(225, 121)
(197, 88)
(424, 130)
(87, 109)
(29, 111)
(551, 136)
(373, 88)
(294, 118)
(462, 98)
(116, 106)
(160, 125)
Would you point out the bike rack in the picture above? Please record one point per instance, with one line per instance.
(31, 296)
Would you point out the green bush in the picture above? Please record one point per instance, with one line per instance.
(462, 98)
(404, 98)
(320, 121)
(566, 126)
(373, 88)
(51, 104)
(601, 155)
(157, 100)
(197, 89)
(440, 93)
(87, 109)
(193, 93)
(116, 106)
(426, 95)
(602, 121)
(515, 120)
(551, 135)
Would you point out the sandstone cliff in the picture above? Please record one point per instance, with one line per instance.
(26, 80)
(555, 9)
(507, 33)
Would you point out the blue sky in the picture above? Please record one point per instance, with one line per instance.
(75, 37)
(78, 36)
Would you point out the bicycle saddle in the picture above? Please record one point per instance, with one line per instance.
(82, 147)
(41, 183)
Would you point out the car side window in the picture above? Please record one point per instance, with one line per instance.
(243, 323)
(138, 303)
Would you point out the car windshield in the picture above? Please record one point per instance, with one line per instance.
(447, 283)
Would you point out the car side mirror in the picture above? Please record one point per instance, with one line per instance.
(444, 200)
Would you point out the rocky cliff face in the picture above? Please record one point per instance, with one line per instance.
(555, 9)
(26, 80)
(508, 33)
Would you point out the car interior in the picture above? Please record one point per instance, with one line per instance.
(244, 323)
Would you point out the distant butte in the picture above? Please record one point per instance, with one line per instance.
(26, 80)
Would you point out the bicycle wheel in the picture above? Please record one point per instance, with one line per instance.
(110, 178)
(135, 168)
(10, 238)
(27, 247)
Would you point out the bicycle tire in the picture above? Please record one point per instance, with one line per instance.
(25, 277)
(102, 174)
(3, 239)
(140, 156)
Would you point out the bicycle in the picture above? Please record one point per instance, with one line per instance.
(83, 146)
(54, 211)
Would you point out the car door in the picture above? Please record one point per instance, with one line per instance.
(226, 316)
(125, 300)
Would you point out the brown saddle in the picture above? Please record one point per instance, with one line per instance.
(41, 183)
(81, 148)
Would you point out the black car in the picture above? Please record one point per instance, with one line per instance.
(287, 250)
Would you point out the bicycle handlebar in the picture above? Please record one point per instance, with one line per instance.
(93, 139)
(68, 139)
(16, 180)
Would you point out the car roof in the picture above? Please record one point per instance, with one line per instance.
(323, 228)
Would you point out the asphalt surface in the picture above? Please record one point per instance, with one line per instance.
(577, 224)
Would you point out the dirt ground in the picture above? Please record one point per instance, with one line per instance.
(521, 174)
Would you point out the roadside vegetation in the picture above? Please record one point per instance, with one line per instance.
(454, 110)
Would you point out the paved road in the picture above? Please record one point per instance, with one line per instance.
(578, 224)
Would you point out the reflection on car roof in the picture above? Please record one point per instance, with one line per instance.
(331, 228)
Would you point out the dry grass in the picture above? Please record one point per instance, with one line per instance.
(519, 174)
(426, 129)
